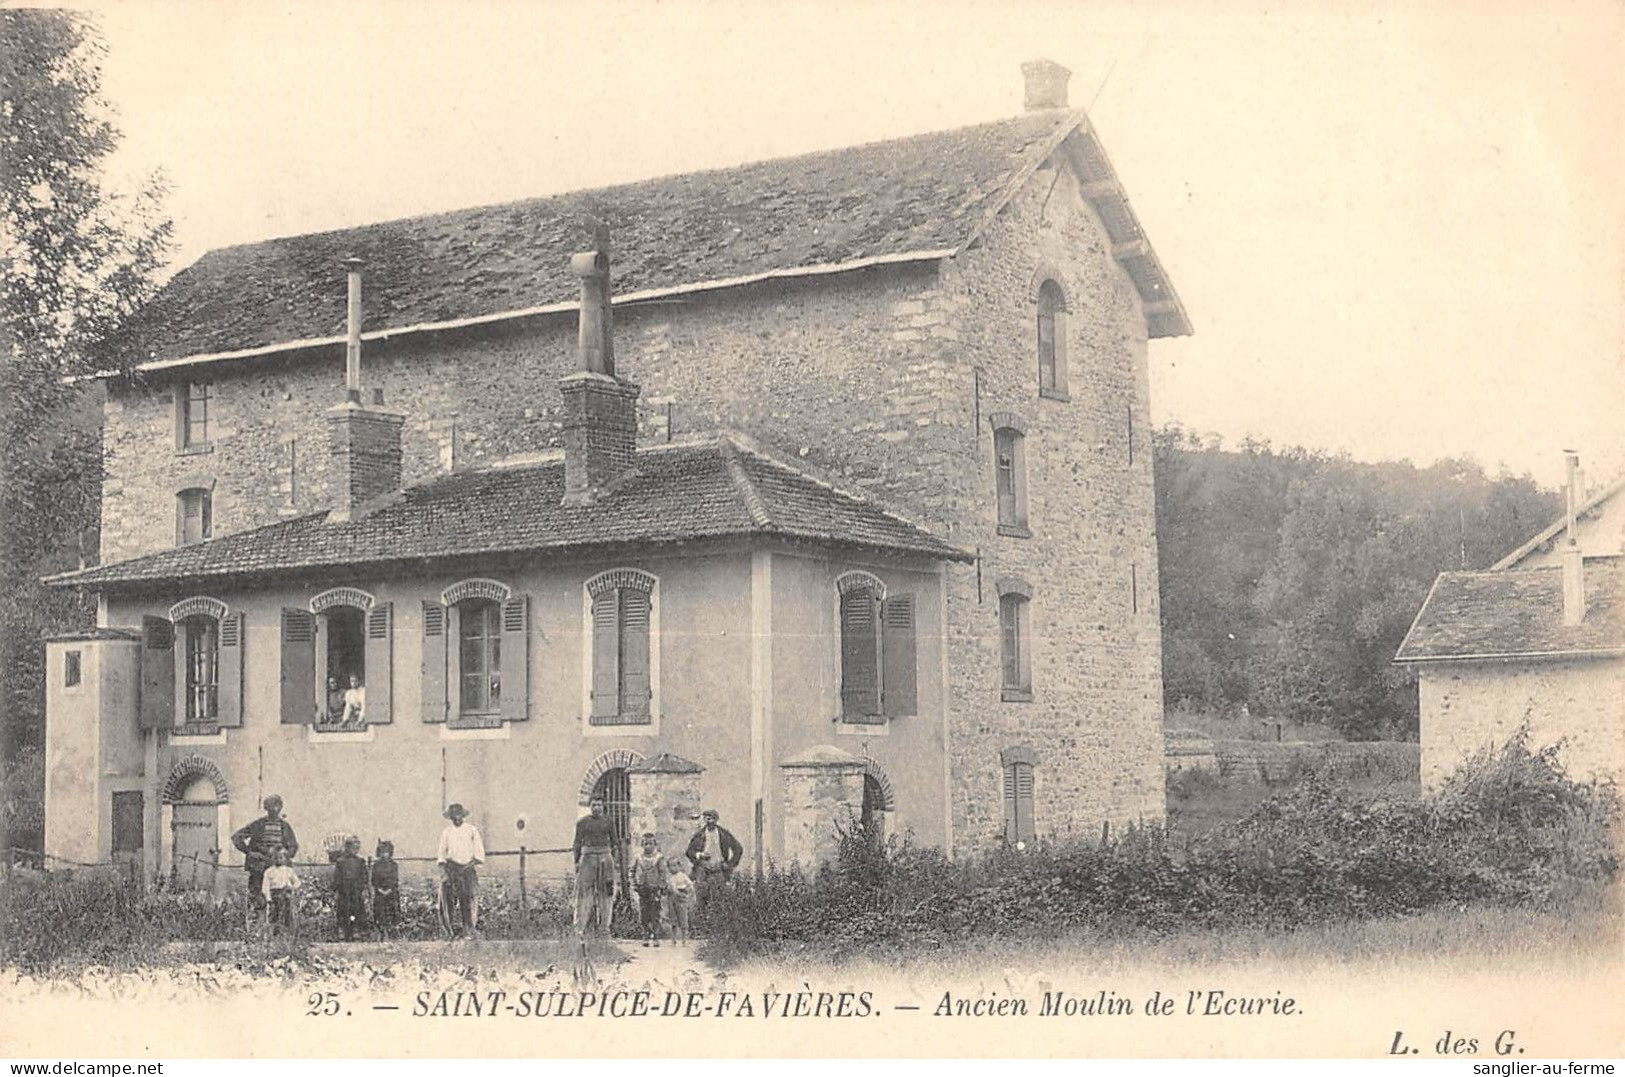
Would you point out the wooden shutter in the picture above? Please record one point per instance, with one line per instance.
(515, 670)
(229, 701)
(1018, 803)
(157, 710)
(435, 704)
(860, 672)
(380, 659)
(899, 694)
(298, 666)
(635, 695)
(606, 676)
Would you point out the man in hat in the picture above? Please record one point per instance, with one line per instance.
(594, 852)
(715, 853)
(461, 850)
(259, 843)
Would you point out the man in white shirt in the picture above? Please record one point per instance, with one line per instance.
(460, 851)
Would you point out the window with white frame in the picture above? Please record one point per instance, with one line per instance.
(476, 656)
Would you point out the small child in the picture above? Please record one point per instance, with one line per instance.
(386, 890)
(350, 889)
(649, 878)
(279, 886)
(680, 889)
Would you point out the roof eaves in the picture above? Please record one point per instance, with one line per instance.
(789, 272)
(1551, 531)
(1570, 652)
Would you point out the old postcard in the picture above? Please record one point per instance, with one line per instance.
(901, 530)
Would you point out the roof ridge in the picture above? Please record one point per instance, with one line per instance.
(1547, 533)
(755, 503)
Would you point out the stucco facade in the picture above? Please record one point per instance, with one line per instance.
(1469, 707)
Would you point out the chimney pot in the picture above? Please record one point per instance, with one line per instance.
(352, 330)
(600, 410)
(1045, 84)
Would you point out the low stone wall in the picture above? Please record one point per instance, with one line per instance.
(1278, 762)
(1186, 749)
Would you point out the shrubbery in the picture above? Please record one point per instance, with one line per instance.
(1509, 827)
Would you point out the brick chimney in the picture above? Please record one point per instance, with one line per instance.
(366, 441)
(1573, 561)
(600, 410)
(1046, 84)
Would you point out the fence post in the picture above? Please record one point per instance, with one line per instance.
(523, 904)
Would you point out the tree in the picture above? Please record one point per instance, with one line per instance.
(78, 258)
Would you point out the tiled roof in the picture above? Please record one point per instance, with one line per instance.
(915, 197)
(680, 493)
(1518, 613)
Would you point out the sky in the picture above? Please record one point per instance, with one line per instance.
(1397, 229)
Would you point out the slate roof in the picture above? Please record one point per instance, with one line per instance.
(714, 489)
(1518, 614)
(906, 199)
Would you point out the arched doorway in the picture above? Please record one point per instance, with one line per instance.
(879, 801)
(194, 821)
(614, 788)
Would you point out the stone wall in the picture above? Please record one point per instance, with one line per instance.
(1470, 706)
(880, 380)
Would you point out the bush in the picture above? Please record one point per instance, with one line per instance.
(1509, 828)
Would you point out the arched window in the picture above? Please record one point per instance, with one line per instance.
(194, 511)
(1051, 340)
(1015, 640)
(1010, 473)
(201, 653)
(479, 648)
(1020, 826)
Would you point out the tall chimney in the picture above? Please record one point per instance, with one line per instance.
(1573, 561)
(600, 410)
(366, 441)
(1046, 84)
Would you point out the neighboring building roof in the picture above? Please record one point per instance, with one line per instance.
(1499, 614)
(1587, 508)
(715, 489)
(910, 199)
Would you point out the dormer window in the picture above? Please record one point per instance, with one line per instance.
(194, 512)
(1051, 341)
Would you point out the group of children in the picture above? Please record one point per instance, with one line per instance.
(661, 882)
(351, 880)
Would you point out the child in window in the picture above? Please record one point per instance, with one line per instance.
(355, 702)
(679, 898)
(649, 878)
(386, 890)
(350, 889)
(280, 887)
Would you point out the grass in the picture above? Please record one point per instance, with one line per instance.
(1584, 928)
(1201, 801)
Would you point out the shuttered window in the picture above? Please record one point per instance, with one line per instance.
(479, 655)
(878, 655)
(298, 680)
(157, 709)
(194, 510)
(1019, 826)
(622, 681)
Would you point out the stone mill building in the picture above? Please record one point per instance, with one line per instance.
(809, 489)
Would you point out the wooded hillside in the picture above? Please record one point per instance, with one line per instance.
(1289, 577)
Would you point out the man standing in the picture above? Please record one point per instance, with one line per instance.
(594, 851)
(715, 853)
(461, 850)
(259, 842)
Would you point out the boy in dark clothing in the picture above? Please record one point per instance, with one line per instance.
(386, 890)
(259, 842)
(350, 888)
